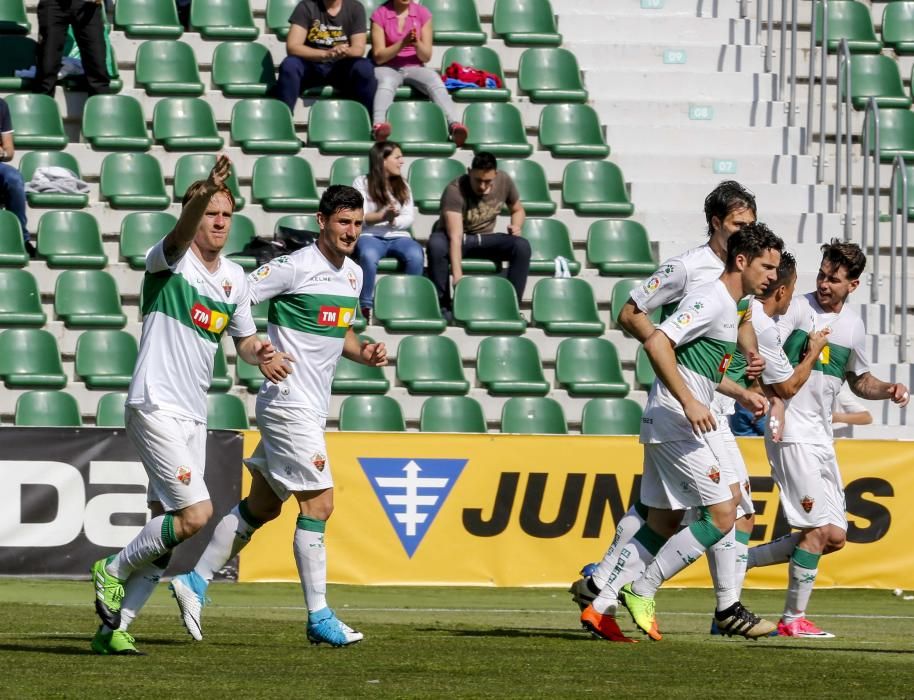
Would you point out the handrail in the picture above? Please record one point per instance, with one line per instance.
(811, 86)
(899, 167)
(782, 57)
(844, 62)
(871, 125)
(792, 114)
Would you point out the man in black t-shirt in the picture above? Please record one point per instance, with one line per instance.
(12, 189)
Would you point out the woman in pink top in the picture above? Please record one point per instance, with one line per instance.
(401, 40)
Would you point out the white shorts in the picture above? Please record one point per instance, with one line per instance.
(682, 474)
(812, 491)
(732, 465)
(292, 454)
(173, 452)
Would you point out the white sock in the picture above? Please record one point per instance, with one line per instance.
(630, 565)
(155, 539)
(722, 565)
(231, 535)
(137, 590)
(626, 528)
(311, 558)
(775, 552)
(802, 577)
(742, 557)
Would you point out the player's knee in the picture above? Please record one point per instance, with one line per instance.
(837, 538)
(321, 511)
(723, 516)
(191, 520)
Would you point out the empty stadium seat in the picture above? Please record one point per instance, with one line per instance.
(455, 22)
(408, 303)
(566, 307)
(70, 239)
(427, 179)
(243, 69)
(226, 412)
(148, 19)
(105, 359)
(850, 21)
(530, 180)
(50, 409)
(12, 246)
(550, 75)
(497, 128)
(37, 121)
(260, 312)
(298, 222)
(346, 169)
(595, 188)
(875, 76)
(510, 365)
(620, 248)
(482, 58)
(898, 27)
(18, 54)
(284, 183)
(223, 19)
(249, 375)
(611, 417)
(222, 380)
(140, 231)
(451, 414)
(88, 298)
(355, 378)
(371, 413)
(197, 166)
(644, 370)
(487, 305)
(430, 364)
(572, 131)
(264, 125)
(339, 127)
(620, 295)
(13, 18)
(29, 358)
(133, 181)
(549, 239)
(167, 68)
(277, 16)
(33, 160)
(533, 415)
(20, 300)
(241, 233)
(589, 367)
(525, 23)
(896, 135)
(110, 410)
(420, 128)
(115, 123)
(185, 124)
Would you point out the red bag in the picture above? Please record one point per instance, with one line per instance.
(468, 74)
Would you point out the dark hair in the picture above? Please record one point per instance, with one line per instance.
(484, 161)
(726, 197)
(787, 269)
(752, 240)
(846, 255)
(381, 187)
(199, 186)
(338, 197)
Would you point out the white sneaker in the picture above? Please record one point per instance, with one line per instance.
(189, 590)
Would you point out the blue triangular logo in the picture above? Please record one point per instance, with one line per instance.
(412, 492)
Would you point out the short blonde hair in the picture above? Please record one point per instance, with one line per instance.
(199, 186)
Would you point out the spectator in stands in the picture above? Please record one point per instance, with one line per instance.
(88, 21)
(389, 212)
(466, 228)
(12, 188)
(401, 45)
(848, 410)
(326, 46)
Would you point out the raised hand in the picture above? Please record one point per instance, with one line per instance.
(220, 172)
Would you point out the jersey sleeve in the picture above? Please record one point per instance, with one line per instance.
(777, 367)
(859, 362)
(242, 322)
(789, 321)
(271, 279)
(155, 258)
(694, 315)
(667, 284)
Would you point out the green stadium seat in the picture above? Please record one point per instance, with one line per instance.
(850, 21)
(29, 358)
(110, 410)
(572, 131)
(33, 160)
(197, 166)
(595, 188)
(550, 75)
(115, 123)
(589, 367)
(241, 233)
(525, 23)
(611, 417)
(37, 121)
(566, 307)
(339, 127)
(408, 303)
(165, 67)
(88, 298)
(185, 124)
(451, 414)
(482, 58)
(264, 125)
(896, 135)
(148, 19)
(497, 128)
(243, 69)
(71, 239)
(260, 312)
(226, 412)
(13, 18)
(140, 231)
(278, 13)
(427, 179)
(20, 300)
(105, 359)
(620, 295)
(530, 179)
(487, 305)
(510, 365)
(133, 181)
(420, 128)
(223, 19)
(284, 183)
(12, 246)
(18, 54)
(371, 413)
(898, 27)
(455, 22)
(356, 378)
(644, 370)
(346, 169)
(549, 239)
(430, 364)
(248, 375)
(299, 222)
(620, 248)
(222, 380)
(875, 76)
(533, 415)
(48, 409)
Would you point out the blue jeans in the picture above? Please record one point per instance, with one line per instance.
(12, 194)
(370, 249)
(354, 77)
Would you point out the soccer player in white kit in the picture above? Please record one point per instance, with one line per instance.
(690, 352)
(314, 294)
(191, 297)
(802, 457)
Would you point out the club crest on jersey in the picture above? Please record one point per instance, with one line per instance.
(335, 316)
(714, 474)
(208, 320)
(725, 363)
(182, 474)
(683, 319)
(807, 503)
(227, 287)
(350, 275)
(319, 461)
(747, 488)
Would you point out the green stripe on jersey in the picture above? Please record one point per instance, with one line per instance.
(737, 369)
(795, 345)
(832, 361)
(172, 295)
(708, 357)
(329, 315)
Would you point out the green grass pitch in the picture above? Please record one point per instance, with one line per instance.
(445, 642)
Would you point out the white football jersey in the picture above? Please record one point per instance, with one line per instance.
(676, 277)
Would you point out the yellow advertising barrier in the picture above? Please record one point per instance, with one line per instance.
(524, 510)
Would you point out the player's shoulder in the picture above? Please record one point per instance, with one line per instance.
(231, 268)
